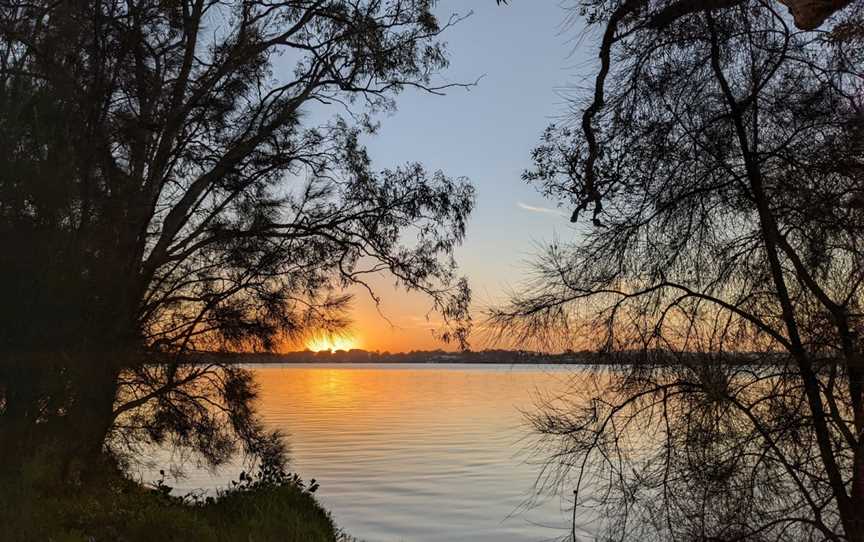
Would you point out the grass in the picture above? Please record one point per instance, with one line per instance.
(120, 510)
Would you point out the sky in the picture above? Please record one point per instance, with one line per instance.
(526, 55)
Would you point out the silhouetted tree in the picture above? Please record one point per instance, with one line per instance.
(188, 175)
(808, 14)
(720, 158)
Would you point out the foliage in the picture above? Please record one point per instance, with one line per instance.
(117, 509)
(719, 158)
(190, 176)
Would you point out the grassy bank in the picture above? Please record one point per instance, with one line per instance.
(120, 510)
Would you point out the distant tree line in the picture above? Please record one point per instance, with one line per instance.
(495, 356)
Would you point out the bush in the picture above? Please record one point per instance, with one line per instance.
(271, 506)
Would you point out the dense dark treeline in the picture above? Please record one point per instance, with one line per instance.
(492, 356)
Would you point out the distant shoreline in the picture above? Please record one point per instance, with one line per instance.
(485, 357)
(357, 357)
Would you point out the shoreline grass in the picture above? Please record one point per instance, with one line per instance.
(121, 510)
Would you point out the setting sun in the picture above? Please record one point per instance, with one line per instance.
(332, 343)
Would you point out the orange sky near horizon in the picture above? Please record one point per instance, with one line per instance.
(398, 324)
(486, 136)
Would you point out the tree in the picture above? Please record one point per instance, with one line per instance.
(808, 14)
(719, 156)
(165, 188)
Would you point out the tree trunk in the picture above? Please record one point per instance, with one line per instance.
(90, 417)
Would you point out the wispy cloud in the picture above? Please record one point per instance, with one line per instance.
(544, 210)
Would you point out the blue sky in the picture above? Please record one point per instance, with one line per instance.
(526, 55)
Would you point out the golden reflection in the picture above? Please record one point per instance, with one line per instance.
(331, 382)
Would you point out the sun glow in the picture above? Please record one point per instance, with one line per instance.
(332, 343)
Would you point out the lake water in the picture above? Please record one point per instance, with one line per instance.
(414, 452)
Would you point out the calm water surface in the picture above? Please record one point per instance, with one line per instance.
(413, 452)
